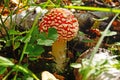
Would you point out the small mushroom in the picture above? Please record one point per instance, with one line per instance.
(66, 25)
(48, 76)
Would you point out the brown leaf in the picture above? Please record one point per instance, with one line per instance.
(59, 76)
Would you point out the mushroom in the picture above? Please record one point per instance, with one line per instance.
(48, 76)
(66, 25)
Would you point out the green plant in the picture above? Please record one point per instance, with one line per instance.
(33, 47)
(93, 70)
(32, 42)
(88, 69)
(4, 63)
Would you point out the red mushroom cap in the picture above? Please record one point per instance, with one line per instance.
(61, 19)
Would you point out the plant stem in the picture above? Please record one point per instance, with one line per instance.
(88, 8)
(3, 25)
(87, 75)
(29, 36)
(114, 10)
(22, 69)
(5, 78)
(101, 39)
(26, 71)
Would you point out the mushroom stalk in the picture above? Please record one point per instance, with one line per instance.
(59, 53)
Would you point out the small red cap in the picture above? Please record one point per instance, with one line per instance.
(61, 19)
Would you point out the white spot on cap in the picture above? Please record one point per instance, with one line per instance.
(52, 17)
(44, 28)
(69, 32)
(60, 21)
(58, 17)
(63, 19)
(56, 24)
(49, 22)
